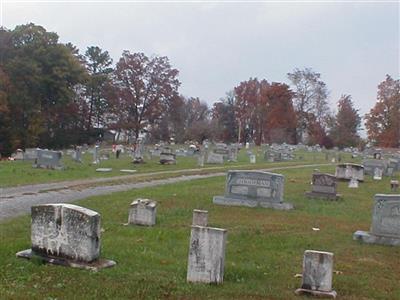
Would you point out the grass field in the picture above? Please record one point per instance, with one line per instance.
(264, 250)
(13, 173)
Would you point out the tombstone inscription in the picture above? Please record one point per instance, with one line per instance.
(385, 228)
(254, 188)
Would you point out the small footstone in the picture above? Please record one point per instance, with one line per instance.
(103, 169)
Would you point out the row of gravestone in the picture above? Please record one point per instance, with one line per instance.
(70, 235)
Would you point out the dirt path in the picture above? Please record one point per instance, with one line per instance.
(18, 201)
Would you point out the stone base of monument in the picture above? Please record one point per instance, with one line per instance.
(323, 195)
(320, 294)
(223, 200)
(92, 266)
(368, 238)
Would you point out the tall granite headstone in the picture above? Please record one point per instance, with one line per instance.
(385, 228)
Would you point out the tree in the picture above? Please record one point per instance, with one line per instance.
(43, 74)
(310, 99)
(346, 124)
(142, 88)
(225, 126)
(383, 120)
(265, 111)
(97, 64)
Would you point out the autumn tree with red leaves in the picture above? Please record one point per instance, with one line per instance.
(383, 120)
(141, 89)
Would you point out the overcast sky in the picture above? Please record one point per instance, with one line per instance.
(215, 45)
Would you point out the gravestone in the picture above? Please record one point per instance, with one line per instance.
(353, 183)
(167, 158)
(18, 155)
(371, 164)
(77, 155)
(47, 159)
(348, 171)
(143, 212)
(66, 234)
(317, 274)
(103, 169)
(272, 156)
(96, 159)
(200, 218)
(206, 255)
(252, 159)
(385, 228)
(394, 185)
(233, 151)
(378, 174)
(254, 188)
(30, 154)
(222, 151)
(323, 186)
(214, 158)
(200, 159)
(138, 152)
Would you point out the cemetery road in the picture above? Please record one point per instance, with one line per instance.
(17, 201)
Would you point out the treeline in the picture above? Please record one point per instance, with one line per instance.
(52, 95)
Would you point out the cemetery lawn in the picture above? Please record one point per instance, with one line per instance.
(14, 173)
(264, 247)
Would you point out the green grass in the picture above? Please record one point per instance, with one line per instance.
(264, 250)
(13, 173)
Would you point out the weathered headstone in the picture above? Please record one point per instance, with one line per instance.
(254, 188)
(200, 218)
(138, 152)
(47, 159)
(167, 158)
(18, 155)
(30, 154)
(214, 158)
(233, 152)
(317, 274)
(66, 234)
(96, 159)
(371, 164)
(385, 228)
(353, 183)
(394, 185)
(143, 212)
(348, 171)
(77, 155)
(206, 255)
(378, 174)
(200, 159)
(252, 158)
(323, 186)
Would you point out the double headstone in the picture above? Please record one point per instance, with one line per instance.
(323, 186)
(254, 188)
(48, 159)
(348, 171)
(385, 228)
(66, 234)
(317, 274)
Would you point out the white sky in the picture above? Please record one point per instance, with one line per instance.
(216, 45)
